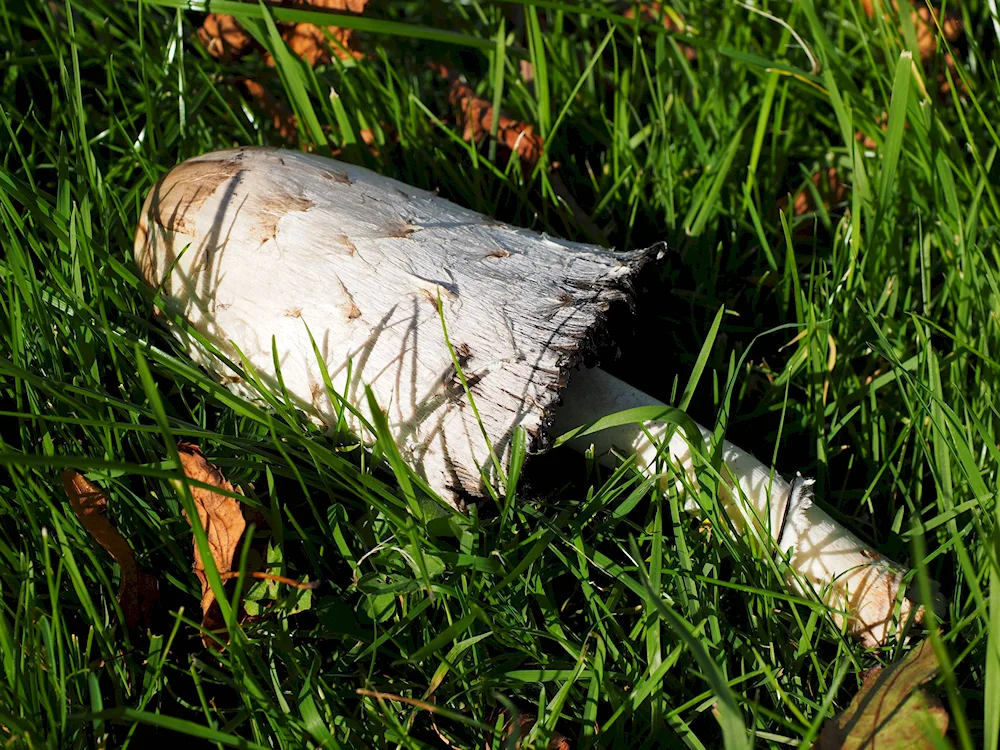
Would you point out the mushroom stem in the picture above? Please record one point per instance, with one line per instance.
(826, 561)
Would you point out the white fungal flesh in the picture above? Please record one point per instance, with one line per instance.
(254, 245)
(825, 558)
(251, 246)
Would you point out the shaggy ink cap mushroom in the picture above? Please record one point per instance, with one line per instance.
(255, 245)
(252, 243)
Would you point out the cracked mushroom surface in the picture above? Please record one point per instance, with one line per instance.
(298, 259)
(253, 245)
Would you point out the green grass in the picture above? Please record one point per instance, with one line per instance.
(588, 600)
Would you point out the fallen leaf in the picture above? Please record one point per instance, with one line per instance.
(284, 119)
(882, 121)
(475, 115)
(226, 39)
(925, 25)
(891, 711)
(225, 520)
(310, 42)
(831, 190)
(139, 591)
(525, 721)
(527, 69)
(672, 21)
(224, 524)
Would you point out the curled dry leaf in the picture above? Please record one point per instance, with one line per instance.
(139, 591)
(225, 520)
(832, 191)
(830, 187)
(285, 121)
(475, 115)
(925, 21)
(523, 724)
(226, 39)
(882, 121)
(925, 25)
(891, 711)
(310, 42)
(224, 524)
(654, 12)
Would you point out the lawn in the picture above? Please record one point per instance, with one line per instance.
(823, 175)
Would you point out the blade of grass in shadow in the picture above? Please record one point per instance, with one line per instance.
(730, 718)
(290, 69)
(173, 724)
(894, 136)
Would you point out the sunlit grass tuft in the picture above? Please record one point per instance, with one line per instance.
(589, 600)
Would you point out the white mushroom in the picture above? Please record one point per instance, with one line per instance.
(268, 252)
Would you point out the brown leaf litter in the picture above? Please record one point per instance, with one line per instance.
(475, 116)
(925, 25)
(925, 21)
(831, 189)
(285, 121)
(225, 521)
(891, 710)
(222, 518)
(226, 39)
(654, 12)
(524, 722)
(139, 591)
(310, 42)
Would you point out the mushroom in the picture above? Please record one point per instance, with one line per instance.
(278, 256)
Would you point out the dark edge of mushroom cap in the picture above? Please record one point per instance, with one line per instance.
(613, 291)
(592, 290)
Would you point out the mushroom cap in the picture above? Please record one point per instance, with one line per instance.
(256, 245)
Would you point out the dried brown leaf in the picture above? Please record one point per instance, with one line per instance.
(139, 591)
(264, 101)
(310, 42)
(832, 192)
(525, 721)
(883, 122)
(891, 711)
(830, 188)
(672, 21)
(925, 24)
(224, 524)
(475, 115)
(225, 38)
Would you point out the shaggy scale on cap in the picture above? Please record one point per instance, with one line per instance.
(255, 244)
